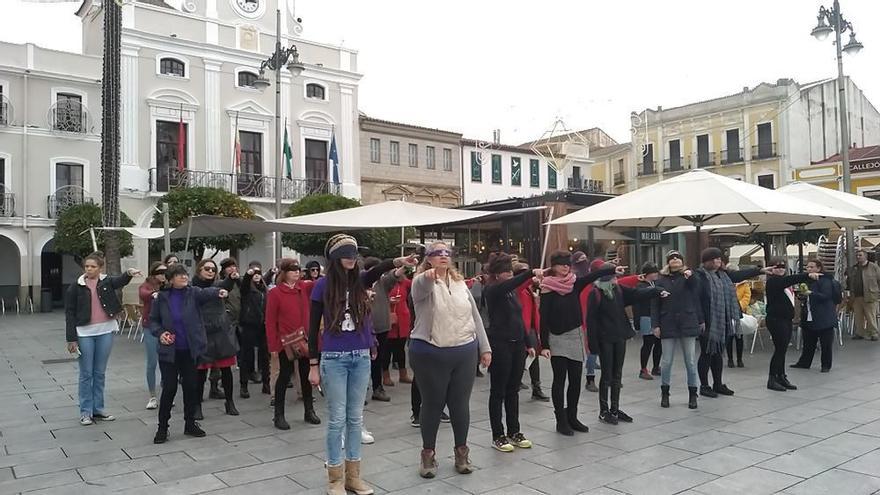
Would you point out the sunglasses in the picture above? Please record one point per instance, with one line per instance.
(314, 269)
(440, 252)
(209, 268)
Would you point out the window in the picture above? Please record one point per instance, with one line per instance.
(251, 171)
(246, 79)
(618, 172)
(394, 147)
(648, 160)
(575, 182)
(534, 173)
(375, 152)
(766, 148)
(515, 171)
(496, 169)
(172, 67)
(476, 167)
(316, 163)
(704, 158)
(767, 181)
(674, 155)
(68, 113)
(167, 136)
(447, 159)
(551, 177)
(315, 91)
(733, 153)
(430, 163)
(68, 174)
(413, 155)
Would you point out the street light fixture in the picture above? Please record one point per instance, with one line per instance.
(838, 25)
(281, 57)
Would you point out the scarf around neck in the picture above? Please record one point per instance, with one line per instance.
(560, 285)
(724, 312)
(606, 286)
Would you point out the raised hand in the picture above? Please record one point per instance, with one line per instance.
(688, 273)
(223, 293)
(134, 272)
(620, 269)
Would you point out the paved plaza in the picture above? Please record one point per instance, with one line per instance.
(823, 438)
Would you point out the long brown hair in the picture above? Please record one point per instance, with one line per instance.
(340, 281)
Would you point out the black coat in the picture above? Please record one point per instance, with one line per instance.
(607, 321)
(194, 302)
(221, 340)
(679, 315)
(778, 304)
(823, 300)
(505, 312)
(562, 313)
(78, 301)
(253, 304)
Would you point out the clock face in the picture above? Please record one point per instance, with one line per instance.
(248, 6)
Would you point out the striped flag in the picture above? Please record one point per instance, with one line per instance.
(288, 153)
(236, 149)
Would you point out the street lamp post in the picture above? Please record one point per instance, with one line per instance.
(282, 56)
(832, 21)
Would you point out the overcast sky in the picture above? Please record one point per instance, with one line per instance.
(473, 66)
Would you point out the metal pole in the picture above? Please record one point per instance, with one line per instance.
(843, 116)
(402, 240)
(166, 224)
(278, 151)
(547, 237)
(94, 241)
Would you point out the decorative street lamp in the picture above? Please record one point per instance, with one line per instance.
(832, 21)
(282, 56)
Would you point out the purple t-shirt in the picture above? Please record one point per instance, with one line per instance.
(358, 339)
(175, 305)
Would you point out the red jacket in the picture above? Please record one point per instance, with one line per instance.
(287, 308)
(402, 328)
(530, 314)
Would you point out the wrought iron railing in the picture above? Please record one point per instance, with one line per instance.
(5, 110)
(585, 185)
(70, 116)
(762, 151)
(647, 168)
(701, 160)
(7, 202)
(65, 197)
(673, 164)
(245, 185)
(732, 155)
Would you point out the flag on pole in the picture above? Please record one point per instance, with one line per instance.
(288, 153)
(334, 157)
(181, 142)
(236, 148)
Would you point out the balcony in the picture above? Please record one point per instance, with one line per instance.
(618, 178)
(734, 155)
(672, 165)
(245, 185)
(763, 151)
(66, 197)
(5, 110)
(703, 160)
(7, 202)
(647, 168)
(585, 185)
(70, 116)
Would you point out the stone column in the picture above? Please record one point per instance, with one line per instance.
(129, 116)
(345, 143)
(213, 142)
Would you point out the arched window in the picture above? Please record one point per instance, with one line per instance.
(315, 91)
(172, 67)
(246, 79)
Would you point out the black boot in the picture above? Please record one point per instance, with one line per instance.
(266, 390)
(281, 423)
(193, 430)
(571, 414)
(708, 392)
(692, 397)
(310, 416)
(591, 384)
(215, 392)
(783, 380)
(161, 435)
(562, 425)
(198, 415)
(230, 408)
(244, 391)
(664, 395)
(773, 384)
(538, 394)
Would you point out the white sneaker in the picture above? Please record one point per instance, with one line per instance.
(86, 421)
(152, 403)
(366, 437)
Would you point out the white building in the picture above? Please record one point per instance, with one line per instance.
(195, 62)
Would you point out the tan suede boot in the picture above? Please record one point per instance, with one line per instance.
(353, 481)
(428, 465)
(462, 462)
(335, 485)
(404, 376)
(386, 379)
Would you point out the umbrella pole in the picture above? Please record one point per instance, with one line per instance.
(401, 241)
(546, 238)
(800, 232)
(188, 232)
(94, 241)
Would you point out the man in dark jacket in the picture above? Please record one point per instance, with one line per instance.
(819, 317)
(721, 313)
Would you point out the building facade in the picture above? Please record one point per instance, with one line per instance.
(403, 161)
(864, 169)
(193, 66)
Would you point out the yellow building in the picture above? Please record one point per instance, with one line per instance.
(864, 169)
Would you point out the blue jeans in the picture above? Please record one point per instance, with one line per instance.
(688, 350)
(94, 354)
(344, 376)
(591, 364)
(151, 352)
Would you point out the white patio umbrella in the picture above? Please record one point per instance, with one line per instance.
(852, 203)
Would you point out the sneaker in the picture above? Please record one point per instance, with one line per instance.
(520, 440)
(645, 374)
(723, 390)
(367, 437)
(380, 395)
(414, 421)
(607, 417)
(103, 417)
(622, 416)
(444, 418)
(501, 444)
(86, 421)
(708, 392)
(152, 403)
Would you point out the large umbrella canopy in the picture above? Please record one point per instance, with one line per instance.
(701, 198)
(852, 203)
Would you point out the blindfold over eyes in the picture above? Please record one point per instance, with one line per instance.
(440, 252)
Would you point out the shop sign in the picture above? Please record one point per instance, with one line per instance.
(864, 166)
(650, 237)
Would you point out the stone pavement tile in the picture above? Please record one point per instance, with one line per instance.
(31, 457)
(133, 465)
(706, 441)
(35, 468)
(248, 433)
(756, 427)
(273, 486)
(849, 444)
(835, 404)
(73, 489)
(125, 481)
(483, 480)
(872, 428)
(822, 427)
(513, 490)
(244, 446)
(778, 442)
(6, 474)
(664, 481)
(438, 488)
(484, 456)
(392, 480)
(726, 460)
(798, 414)
(690, 426)
(286, 451)
(40, 481)
(576, 480)
(867, 464)
(806, 462)
(269, 470)
(177, 442)
(196, 468)
(858, 415)
(837, 482)
(647, 459)
(574, 456)
(638, 440)
(738, 410)
(753, 481)
(602, 490)
(187, 486)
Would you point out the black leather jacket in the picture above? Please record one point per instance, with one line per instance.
(78, 301)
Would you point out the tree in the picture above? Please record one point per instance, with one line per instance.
(188, 202)
(313, 244)
(72, 237)
(384, 243)
(792, 238)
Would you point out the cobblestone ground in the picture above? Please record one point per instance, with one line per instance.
(822, 438)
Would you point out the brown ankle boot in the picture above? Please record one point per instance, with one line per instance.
(335, 485)
(428, 466)
(386, 379)
(353, 481)
(462, 462)
(404, 376)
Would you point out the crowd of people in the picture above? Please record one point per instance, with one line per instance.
(340, 328)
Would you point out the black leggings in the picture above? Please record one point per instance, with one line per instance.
(780, 331)
(825, 338)
(650, 345)
(285, 370)
(612, 355)
(253, 339)
(566, 368)
(225, 380)
(707, 361)
(396, 352)
(505, 375)
(740, 344)
(446, 377)
(184, 368)
(376, 366)
(415, 398)
(535, 373)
